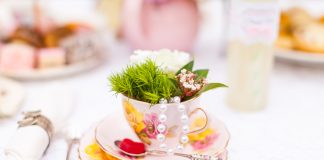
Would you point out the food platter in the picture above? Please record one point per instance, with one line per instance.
(39, 74)
(300, 38)
(299, 56)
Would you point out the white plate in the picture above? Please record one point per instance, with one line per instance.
(39, 74)
(300, 56)
(115, 127)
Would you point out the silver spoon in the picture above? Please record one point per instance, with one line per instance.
(164, 153)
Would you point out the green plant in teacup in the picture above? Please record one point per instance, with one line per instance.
(160, 106)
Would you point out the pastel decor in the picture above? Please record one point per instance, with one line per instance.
(18, 57)
(51, 57)
(156, 24)
(148, 121)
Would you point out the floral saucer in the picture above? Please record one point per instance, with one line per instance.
(98, 142)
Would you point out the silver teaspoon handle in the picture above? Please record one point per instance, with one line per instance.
(69, 151)
(198, 156)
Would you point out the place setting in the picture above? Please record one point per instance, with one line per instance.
(39, 123)
(159, 94)
(163, 119)
(179, 80)
(123, 143)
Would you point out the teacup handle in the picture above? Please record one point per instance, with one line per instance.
(206, 123)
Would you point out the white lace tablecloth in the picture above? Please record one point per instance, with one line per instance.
(290, 128)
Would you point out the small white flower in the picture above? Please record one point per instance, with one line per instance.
(205, 81)
(191, 81)
(182, 79)
(186, 85)
(169, 61)
(183, 71)
(191, 75)
(198, 86)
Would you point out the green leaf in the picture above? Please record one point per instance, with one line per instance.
(188, 67)
(201, 73)
(177, 91)
(173, 81)
(210, 86)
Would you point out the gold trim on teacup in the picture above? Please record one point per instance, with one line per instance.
(206, 122)
(146, 103)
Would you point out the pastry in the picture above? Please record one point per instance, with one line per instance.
(284, 23)
(17, 56)
(310, 38)
(53, 38)
(299, 17)
(322, 19)
(79, 27)
(80, 47)
(299, 30)
(27, 35)
(11, 95)
(285, 41)
(50, 57)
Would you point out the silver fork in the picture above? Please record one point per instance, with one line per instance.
(73, 136)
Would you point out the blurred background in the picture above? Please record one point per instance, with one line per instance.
(270, 53)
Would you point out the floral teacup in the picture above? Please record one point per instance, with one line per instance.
(164, 126)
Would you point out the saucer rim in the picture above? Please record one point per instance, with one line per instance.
(218, 152)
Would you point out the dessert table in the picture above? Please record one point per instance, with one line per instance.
(289, 128)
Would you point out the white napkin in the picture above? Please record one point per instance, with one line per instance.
(11, 95)
(30, 143)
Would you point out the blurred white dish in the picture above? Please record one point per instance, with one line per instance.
(39, 74)
(299, 56)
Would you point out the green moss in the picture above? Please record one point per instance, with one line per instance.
(145, 82)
